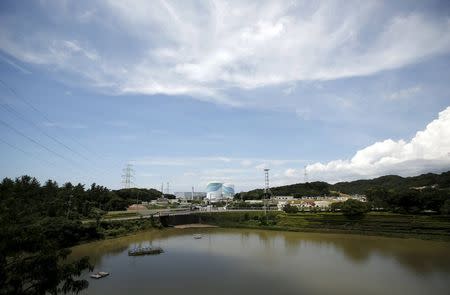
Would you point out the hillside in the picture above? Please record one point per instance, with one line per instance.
(388, 182)
(394, 182)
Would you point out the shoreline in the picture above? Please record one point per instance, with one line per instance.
(195, 225)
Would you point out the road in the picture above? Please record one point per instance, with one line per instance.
(173, 212)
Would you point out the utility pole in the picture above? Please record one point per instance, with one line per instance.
(127, 176)
(266, 189)
(162, 189)
(167, 189)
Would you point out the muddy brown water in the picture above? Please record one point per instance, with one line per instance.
(243, 261)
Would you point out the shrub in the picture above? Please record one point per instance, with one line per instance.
(354, 208)
(290, 209)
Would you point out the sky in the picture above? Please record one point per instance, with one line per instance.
(189, 92)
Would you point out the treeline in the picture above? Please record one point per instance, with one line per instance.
(426, 192)
(410, 200)
(388, 182)
(394, 182)
(298, 190)
(39, 222)
(75, 200)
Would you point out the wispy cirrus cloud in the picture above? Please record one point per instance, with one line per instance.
(203, 50)
(404, 93)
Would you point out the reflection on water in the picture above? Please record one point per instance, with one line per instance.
(239, 261)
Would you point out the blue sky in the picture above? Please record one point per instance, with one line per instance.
(190, 92)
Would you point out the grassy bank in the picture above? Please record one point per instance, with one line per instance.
(427, 227)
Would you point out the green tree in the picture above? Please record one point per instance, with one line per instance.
(354, 209)
(445, 209)
(290, 209)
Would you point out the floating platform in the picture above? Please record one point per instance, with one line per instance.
(145, 251)
(99, 275)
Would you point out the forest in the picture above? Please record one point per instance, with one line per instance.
(39, 222)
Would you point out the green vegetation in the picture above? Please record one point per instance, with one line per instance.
(411, 195)
(297, 190)
(394, 182)
(110, 229)
(434, 227)
(38, 223)
(353, 208)
(290, 209)
(120, 214)
(131, 195)
(34, 235)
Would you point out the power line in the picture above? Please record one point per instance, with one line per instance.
(33, 141)
(17, 114)
(47, 119)
(10, 109)
(23, 151)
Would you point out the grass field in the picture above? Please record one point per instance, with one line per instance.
(433, 227)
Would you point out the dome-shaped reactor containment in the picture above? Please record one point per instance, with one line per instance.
(228, 190)
(218, 191)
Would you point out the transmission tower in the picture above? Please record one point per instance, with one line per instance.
(267, 193)
(266, 182)
(127, 177)
(167, 189)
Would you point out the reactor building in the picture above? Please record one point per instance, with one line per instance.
(219, 191)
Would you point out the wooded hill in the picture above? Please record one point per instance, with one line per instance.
(388, 182)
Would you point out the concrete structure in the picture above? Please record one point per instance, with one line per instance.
(253, 201)
(190, 195)
(228, 190)
(322, 204)
(284, 198)
(218, 191)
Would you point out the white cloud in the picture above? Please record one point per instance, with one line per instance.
(261, 166)
(290, 172)
(404, 93)
(203, 49)
(194, 161)
(428, 150)
(15, 65)
(246, 163)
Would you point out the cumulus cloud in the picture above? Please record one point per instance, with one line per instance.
(203, 49)
(428, 150)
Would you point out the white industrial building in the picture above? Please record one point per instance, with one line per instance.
(218, 191)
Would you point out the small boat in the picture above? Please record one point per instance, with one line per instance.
(197, 236)
(145, 251)
(99, 275)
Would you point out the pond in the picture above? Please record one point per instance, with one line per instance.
(243, 261)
